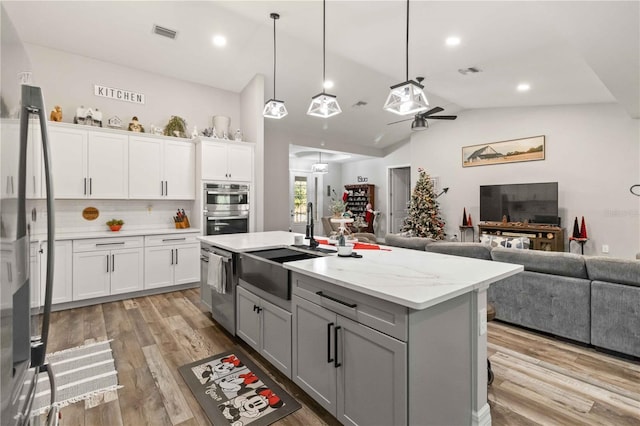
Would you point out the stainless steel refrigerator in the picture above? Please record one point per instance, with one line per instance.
(23, 330)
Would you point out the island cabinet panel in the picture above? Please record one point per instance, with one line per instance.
(265, 327)
(356, 372)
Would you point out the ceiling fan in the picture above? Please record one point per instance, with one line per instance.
(420, 120)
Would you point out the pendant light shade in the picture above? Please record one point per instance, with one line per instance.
(323, 104)
(274, 108)
(408, 97)
(320, 168)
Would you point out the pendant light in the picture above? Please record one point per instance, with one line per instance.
(274, 108)
(320, 168)
(323, 104)
(408, 97)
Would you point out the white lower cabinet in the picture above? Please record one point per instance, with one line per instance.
(62, 272)
(265, 327)
(102, 267)
(171, 260)
(355, 372)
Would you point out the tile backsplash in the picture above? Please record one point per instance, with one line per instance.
(136, 214)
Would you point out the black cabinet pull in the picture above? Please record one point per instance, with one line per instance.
(90, 186)
(107, 263)
(336, 364)
(172, 256)
(329, 359)
(85, 186)
(347, 304)
(161, 187)
(113, 262)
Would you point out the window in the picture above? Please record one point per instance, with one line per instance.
(300, 199)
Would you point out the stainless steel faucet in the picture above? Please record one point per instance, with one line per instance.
(309, 231)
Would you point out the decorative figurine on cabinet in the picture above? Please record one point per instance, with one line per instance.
(114, 122)
(135, 126)
(56, 113)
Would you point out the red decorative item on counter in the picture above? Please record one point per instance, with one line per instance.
(345, 195)
(469, 223)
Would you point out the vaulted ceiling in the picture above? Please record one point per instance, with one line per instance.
(571, 52)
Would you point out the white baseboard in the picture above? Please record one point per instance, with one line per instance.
(482, 417)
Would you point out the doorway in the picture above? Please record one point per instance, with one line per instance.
(399, 197)
(303, 189)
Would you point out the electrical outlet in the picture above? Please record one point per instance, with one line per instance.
(605, 248)
(483, 321)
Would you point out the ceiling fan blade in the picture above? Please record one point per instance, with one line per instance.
(443, 117)
(432, 111)
(401, 121)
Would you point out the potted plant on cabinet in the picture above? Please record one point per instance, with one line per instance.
(115, 224)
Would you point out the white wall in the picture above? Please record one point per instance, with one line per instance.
(376, 170)
(67, 80)
(592, 151)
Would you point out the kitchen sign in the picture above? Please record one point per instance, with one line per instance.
(118, 94)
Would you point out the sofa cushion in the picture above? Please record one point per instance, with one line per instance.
(613, 270)
(550, 303)
(415, 243)
(615, 317)
(556, 263)
(476, 250)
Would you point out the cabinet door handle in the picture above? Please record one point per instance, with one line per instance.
(113, 263)
(34, 184)
(85, 186)
(90, 186)
(176, 256)
(329, 359)
(161, 187)
(107, 263)
(13, 189)
(326, 296)
(166, 188)
(336, 364)
(172, 256)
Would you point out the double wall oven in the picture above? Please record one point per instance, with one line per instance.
(226, 208)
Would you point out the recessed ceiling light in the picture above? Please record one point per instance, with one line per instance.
(523, 87)
(328, 84)
(453, 41)
(219, 40)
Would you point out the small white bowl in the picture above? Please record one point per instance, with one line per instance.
(345, 250)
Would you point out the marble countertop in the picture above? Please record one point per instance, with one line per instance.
(411, 278)
(240, 243)
(81, 235)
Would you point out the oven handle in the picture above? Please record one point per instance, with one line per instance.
(227, 192)
(226, 217)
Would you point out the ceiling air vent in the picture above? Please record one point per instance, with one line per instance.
(165, 32)
(470, 70)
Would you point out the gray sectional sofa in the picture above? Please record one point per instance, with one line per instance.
(593, 300)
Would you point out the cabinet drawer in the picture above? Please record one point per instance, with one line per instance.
(115, 243)
(381, 315)
(170, 239)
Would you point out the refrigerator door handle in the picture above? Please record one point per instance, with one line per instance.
(33, 103)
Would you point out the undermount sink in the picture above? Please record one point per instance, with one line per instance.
(283, 255)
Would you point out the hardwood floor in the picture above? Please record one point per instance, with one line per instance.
(538, 380)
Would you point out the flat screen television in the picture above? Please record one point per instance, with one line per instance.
(535, 202)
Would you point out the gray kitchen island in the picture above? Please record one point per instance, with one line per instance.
(395, 337)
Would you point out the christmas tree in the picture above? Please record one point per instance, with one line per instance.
(424, 217)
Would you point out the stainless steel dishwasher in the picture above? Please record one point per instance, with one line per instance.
(221, 305)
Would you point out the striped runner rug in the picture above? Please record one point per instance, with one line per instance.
(79, 373)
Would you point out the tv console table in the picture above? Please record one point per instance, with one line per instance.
(542, 237)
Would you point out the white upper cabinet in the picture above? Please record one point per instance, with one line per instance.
(160, 168)
(226, 161)
(89, 164)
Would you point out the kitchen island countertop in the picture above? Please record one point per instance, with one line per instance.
(411, 278)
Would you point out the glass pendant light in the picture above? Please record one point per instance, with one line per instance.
(408, 97)
(323, 104)
(274, 108)
(320, 168)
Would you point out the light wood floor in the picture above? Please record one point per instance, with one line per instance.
(538, 380)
